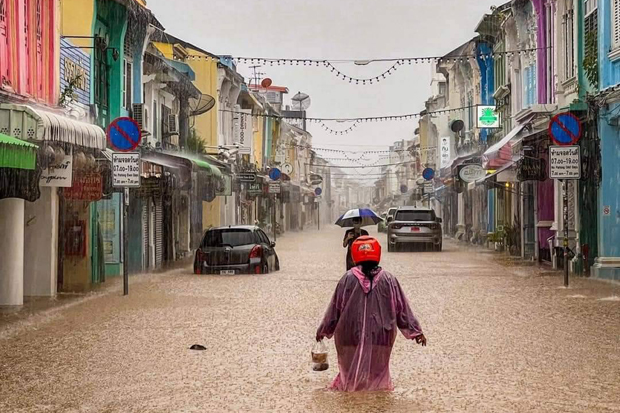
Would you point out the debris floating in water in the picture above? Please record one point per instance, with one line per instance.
(197, 347)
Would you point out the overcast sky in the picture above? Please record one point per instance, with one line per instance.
(334, 29)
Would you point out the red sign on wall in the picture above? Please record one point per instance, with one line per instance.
(86, 187)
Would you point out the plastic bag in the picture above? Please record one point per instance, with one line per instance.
(319, 356)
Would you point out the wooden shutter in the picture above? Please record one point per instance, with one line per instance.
(145, 234)
(615, 23)
(159, 232)
(4, 43)
(40, 78)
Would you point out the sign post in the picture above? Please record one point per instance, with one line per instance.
(124, 135)
(565, 163)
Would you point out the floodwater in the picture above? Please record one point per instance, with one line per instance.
(501, 338)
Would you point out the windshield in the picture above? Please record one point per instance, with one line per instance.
(415, 216)
(228, 237)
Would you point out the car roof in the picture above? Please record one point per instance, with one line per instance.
(410, 208)
(246, 227)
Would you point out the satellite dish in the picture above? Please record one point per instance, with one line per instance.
(457, 125)
(201, 105)
(301, 101)
(266, 82)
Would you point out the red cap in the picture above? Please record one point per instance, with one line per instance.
(366, 249)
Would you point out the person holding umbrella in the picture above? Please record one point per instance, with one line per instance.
(356, 218)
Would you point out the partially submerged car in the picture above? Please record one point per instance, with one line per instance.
(236, 249)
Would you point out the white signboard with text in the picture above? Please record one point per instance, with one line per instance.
(60, 176)
(244, 131)
(564, 162)
(126, 169)
(445, 152)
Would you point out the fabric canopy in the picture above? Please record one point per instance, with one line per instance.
(493, 151)
(15, 153)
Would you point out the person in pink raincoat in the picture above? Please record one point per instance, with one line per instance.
(363, 315)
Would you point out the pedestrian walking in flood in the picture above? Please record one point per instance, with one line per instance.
(365, 310)
(356, 218)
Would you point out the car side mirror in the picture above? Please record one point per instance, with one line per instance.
(273, 244)
(439, 220)
(390, 219)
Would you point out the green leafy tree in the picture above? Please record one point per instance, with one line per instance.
(195, 144)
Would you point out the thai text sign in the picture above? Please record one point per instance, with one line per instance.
(564, 162)
(60, 175)
(274, 188)
(254, 188)
(445, 152)
(126, 170)
(86, 187)
(472, 173)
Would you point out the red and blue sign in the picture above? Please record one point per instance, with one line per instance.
(565, 129)
(428, 174)
(275, 174)
(124, 134)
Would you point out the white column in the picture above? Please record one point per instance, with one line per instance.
(41, 235)
(12, 251)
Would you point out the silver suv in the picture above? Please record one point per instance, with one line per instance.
(413, 225)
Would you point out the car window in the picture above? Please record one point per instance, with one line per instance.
(233, 237)
(263, 237)
(415, 216)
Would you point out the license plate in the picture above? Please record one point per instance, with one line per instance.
(227, 272)
(415, 229)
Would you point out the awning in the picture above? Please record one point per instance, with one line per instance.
(508, 165)
(29, 123)
(18, 154)
(200, 161)
(493, 151)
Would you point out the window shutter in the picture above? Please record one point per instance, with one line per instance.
(533, 85)
(4, 43)
(615, 29)
(39, 53)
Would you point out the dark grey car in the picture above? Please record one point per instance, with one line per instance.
(413, 225)
(236, 250)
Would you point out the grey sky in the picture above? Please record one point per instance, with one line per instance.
(334, 29)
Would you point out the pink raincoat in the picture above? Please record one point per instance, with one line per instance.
(363, 320)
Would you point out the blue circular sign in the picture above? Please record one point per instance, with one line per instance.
(428, 174)
(124, 134)
(275, 174)
(565, 129)
(403, 189)
(318, 191)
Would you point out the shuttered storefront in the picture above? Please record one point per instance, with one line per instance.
(159, 232)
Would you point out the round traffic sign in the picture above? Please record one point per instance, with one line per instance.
(318, 191)
(404, 189)
(275, 174)
(565, 129)
(124, 134)
(428, 174)
(287, 168)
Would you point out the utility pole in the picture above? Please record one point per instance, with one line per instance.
(566, 250)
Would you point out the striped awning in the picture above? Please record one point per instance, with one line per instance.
(18, 154)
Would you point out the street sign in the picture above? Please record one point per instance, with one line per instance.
(471, 173)
(255, 188)
(287, 168)
(429, 188)
(275, 174)
(564, 162)
(126, 170)
(565, 129)
(428, 174)
(274, 188)
(247, 177)
(318, 191)
(403, 189)
(488, 117)
(124, 134)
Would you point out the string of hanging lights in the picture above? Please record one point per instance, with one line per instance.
(390, 118)
(330, 150)
(361, 167)
(339, 132)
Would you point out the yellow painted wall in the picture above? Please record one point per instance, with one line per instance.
(258, 142)
(76, 19)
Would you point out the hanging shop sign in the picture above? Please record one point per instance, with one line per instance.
(565, 129)
(274, 188)
(242, 128)
(564, 162)
(472, 173)
(247, 177)
(254, 188)
(124, 134)
(488, 117)
(445, 152)
(126, 170)
(316, 179)
(531, 169)
(60, 175)
(287, 168)
(86, 187)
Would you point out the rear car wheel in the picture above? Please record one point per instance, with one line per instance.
(265, 268)
(390, 247)
(277, 267)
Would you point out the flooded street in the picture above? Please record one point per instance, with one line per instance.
(500, 338)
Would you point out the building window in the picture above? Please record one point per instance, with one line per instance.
(529, 86)
(5, 78)
(442, 88)
(615, 26)
(127, 84)
(589, 6)
(568, 27)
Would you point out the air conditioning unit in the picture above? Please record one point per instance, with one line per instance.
(173, 124)
(141, 116)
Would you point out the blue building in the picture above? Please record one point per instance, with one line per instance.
(607, 264)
